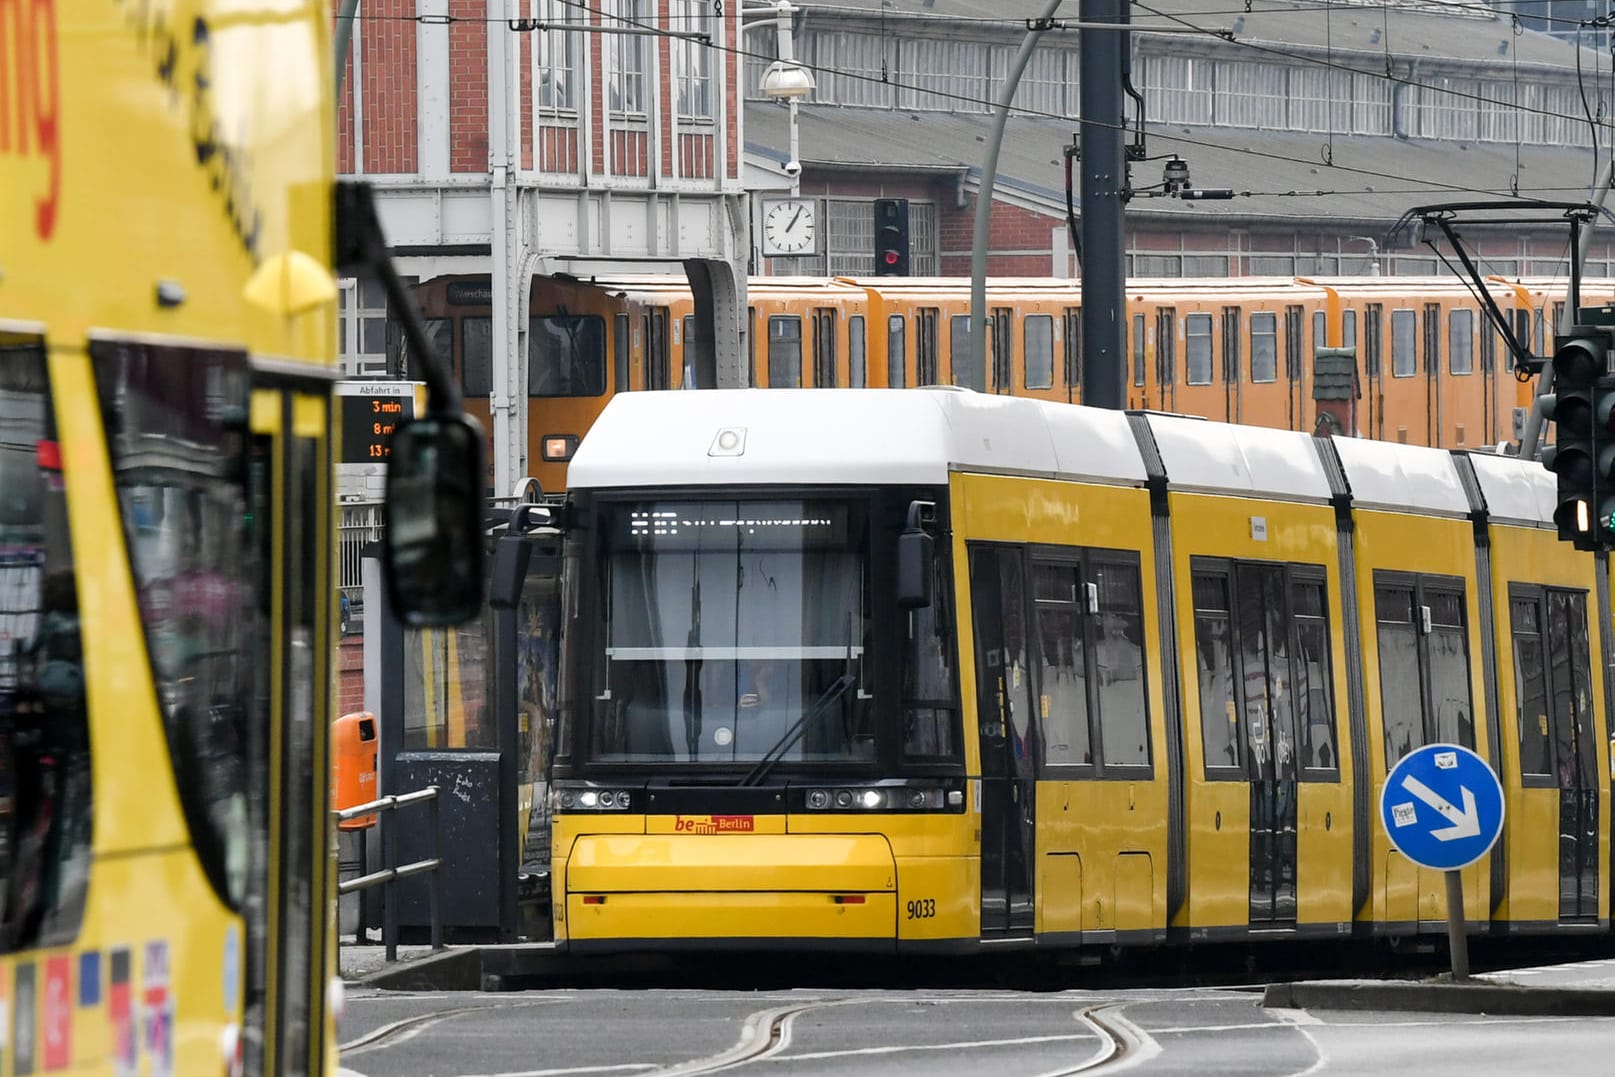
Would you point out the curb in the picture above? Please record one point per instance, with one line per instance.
(449, 970)
(1481, 998)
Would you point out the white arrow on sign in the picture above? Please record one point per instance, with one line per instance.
(1465, 824)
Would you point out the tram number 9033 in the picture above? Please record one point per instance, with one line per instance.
(922, 909)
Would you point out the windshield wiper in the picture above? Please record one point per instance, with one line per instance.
(794, 733)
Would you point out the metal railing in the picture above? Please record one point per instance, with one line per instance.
(391, 871)
(358, 526)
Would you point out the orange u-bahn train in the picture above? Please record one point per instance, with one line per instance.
(1430, 367)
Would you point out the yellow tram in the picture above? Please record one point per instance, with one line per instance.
(167, 330)
(936, 669)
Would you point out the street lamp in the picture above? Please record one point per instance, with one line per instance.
(1373, 253)
(788, 81)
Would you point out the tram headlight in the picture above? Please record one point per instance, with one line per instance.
(592, 799)
(818, 799)
(588, 799)
(843, 798)
(568, 798)
(871, 798)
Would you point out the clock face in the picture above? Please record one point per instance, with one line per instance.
(788, 227)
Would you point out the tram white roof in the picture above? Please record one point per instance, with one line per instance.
(1516, 491)
(1242, 460)
(1402, 478)
(847, 436)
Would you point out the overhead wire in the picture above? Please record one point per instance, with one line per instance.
(1426, 185)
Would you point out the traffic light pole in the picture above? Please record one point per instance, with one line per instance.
(1532, 432)
(984, 196)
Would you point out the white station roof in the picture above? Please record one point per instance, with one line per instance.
(855, 436)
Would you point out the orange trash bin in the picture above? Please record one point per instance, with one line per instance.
(353, 776)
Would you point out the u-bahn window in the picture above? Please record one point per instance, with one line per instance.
(1461, 341)
(566, 355)
(751, 345)
(476, 356)
(856, 374)
(1292, 342)
(621, 351)
(1214, 651)
(964, 371)
(1320, 330)
(1348, 327)
(1423, 655)
(1166, 346)
(1138, 350)
(183, 501)
(1197, 348)
(785, 351)
(1264, 347)
(1230, 344)
(1404, 341)
(1039, 351)
(44, 736)
(925, 346)
(1073, 349)
(1373, 329)
(896, 352)
(686, 342)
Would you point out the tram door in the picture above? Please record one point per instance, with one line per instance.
(1264, 658)
(1007, 739)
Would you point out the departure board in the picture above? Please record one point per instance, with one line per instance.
(368, 420)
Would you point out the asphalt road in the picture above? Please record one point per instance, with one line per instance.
(939, 1033)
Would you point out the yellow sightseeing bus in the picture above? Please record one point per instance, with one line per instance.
(167, 332)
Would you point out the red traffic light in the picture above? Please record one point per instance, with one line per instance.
(889, 257)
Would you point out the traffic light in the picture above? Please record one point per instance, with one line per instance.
(1582, 409)
(891, 237)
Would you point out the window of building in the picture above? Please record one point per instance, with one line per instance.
(693, 58)
(627, 56)
(555, 62)
(362, 316)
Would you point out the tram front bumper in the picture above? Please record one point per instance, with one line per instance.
(730, 888)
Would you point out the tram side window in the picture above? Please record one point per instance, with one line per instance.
(1214, 652)
(1553, 686)
(857, 376)
(1091, 665)
(1314, 684)
(1197, 348)
(1423, 655)
(1264, 347)
(566, 355)
(476, 356)
(785, 351)
(1461, 341)
(1404, 328)
(896, 352)
(45, 781)
(183, 501)
(1039, 351)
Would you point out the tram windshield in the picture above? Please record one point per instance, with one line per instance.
(734, 630)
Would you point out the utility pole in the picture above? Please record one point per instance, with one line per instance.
(1104, 175)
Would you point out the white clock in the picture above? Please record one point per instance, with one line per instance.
(789, 227)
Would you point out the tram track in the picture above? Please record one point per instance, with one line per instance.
(407, 1028)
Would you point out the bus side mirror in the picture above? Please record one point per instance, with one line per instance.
(432, 545)
(915, 552)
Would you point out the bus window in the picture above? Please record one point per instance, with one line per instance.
(926, 318)
(1197, 348)
(44, 740)
(857, 377)
(1039, 350)
(785, 351)
(896, 352)
(1404, 328)
(1264, 347)
(476, 356)
(566, 355)
(1461, 341)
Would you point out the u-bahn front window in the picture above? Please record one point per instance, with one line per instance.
(733, 631)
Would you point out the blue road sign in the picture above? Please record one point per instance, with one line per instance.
(1442, 806)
